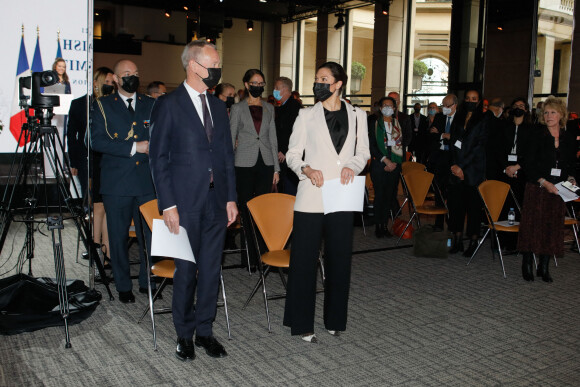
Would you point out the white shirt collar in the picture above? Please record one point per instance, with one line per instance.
(133, 102)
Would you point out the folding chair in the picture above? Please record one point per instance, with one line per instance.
(407, 167)
(493, 194)
(165, 269)
(418, 183)
(273, 215)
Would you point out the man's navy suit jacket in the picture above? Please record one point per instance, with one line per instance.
(183, 160)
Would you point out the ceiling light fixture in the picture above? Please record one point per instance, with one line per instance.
(185, 8)
(167, 13)
(250, 25)
(340, 23)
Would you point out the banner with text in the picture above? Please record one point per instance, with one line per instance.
(34, 33)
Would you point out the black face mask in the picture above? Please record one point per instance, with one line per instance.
(322, 91)
(256, 91)
(470, 106)
(213, 76)
(130, 83)
(417, 110)
(517, 112)
(107, 89)
(230, 101)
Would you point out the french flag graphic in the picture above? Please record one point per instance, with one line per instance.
(17, 115)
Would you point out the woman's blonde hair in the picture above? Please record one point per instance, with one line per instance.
(558, 105)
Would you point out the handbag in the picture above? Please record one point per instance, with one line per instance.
(429, 243)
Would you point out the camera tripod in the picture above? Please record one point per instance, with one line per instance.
(42, 141)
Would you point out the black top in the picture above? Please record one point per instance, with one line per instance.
(542, 156)
(285, 117)
(337, 123)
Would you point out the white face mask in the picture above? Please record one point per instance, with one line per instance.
(446, 111)
(387, 111)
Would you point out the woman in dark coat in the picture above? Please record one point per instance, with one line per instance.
(549, 160)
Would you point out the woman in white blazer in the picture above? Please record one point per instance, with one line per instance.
(255, 146)
(332, 136)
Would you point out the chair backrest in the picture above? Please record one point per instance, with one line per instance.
(494, 193)
(273, 213)
(418, 183)
(150, 211)
(409, 166)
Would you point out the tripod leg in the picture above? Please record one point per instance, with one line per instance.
(55, 225)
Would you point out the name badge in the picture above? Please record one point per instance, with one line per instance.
(556, 172)
(512, 157)
(391, 143)
(458, 144)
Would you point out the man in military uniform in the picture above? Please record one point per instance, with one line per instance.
(120, 131)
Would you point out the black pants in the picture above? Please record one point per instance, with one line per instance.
(464, 199)
(308, 232)
(441, 169)
(386, 185)
(251, 182)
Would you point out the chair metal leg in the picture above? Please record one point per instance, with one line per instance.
(322, 272)
(362, 218)
(555, 261)
(266, 300)
(155, 296)
(224, 297)
(262, 278)
(500, 254)
(575, 230)
(535, 261)
(478, 246)
(406, 227)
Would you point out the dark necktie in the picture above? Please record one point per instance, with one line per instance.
(206, 117)
(129, 107)
(447, 130)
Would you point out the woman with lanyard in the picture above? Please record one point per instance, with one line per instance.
(329, 141)
(468, 171)
(385, 143)
(550, 158)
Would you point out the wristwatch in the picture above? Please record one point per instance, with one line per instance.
(304, 166)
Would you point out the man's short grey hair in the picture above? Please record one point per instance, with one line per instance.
(453, 98)
(192, 51)
(285, 81)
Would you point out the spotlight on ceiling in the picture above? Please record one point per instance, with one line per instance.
(385, 5)
(168, 13)
(250, 25)
(185, 8)
(340, 23)
(263, 1)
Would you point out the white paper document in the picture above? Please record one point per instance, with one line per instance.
(565, 193)
(337, 197)
(166, 244)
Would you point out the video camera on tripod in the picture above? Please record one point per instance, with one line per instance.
(42, 104)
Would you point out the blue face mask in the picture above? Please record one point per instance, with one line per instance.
(277, 95)
(432, 112)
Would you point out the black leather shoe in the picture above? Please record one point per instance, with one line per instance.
(185, 349)
(527, 270)
(457, 244)
(126, 297)
(380, 230)
(212, 347)
(145, 291)
(543, 270)
(471, 249)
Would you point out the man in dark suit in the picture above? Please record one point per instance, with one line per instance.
(120, 131)
(420, 134)
(192, 163)
(439, 162)
(286, 114)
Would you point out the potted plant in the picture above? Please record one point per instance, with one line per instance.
(419, 70)
(357, 74)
